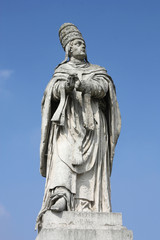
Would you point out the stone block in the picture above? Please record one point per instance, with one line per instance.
(83, 226)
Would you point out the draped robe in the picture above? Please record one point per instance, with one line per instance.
(78, 137)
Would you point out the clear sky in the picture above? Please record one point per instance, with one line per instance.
(122, 36)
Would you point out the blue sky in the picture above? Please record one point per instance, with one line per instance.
(122, 36)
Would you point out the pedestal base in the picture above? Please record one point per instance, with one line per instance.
(83, 226)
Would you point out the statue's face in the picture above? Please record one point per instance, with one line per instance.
(78, 49)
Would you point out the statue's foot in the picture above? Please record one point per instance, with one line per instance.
(60, 205)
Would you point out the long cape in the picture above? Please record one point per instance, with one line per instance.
(49, 107)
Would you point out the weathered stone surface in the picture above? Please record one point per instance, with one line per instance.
(81, 124)
(80, 127)
(83, 226)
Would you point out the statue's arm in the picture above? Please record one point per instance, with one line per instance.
(99, 86)
(58, 85)
(66, 82)
(96, 86)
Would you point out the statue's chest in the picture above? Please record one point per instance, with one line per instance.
(81, 73)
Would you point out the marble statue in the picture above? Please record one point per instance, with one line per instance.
(80, 127)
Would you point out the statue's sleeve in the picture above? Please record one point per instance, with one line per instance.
(60, 79)
(96, 85)
(57, 89)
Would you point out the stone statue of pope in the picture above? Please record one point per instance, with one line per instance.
(80, 127)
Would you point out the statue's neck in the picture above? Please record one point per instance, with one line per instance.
(77, 61)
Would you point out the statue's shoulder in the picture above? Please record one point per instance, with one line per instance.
(97, 68)
(101, 70)
(62, 68)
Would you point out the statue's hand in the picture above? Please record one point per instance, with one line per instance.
(82, 87)
(70, 83)
(77, 85)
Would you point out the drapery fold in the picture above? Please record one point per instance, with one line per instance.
(78, 137)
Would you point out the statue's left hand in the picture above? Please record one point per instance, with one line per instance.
(77, 84)
(82, 87)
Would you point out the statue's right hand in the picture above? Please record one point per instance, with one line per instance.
(70, 83)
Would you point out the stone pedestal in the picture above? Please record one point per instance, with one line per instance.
(83, 226)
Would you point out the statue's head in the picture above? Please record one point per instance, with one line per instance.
(72, 42)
